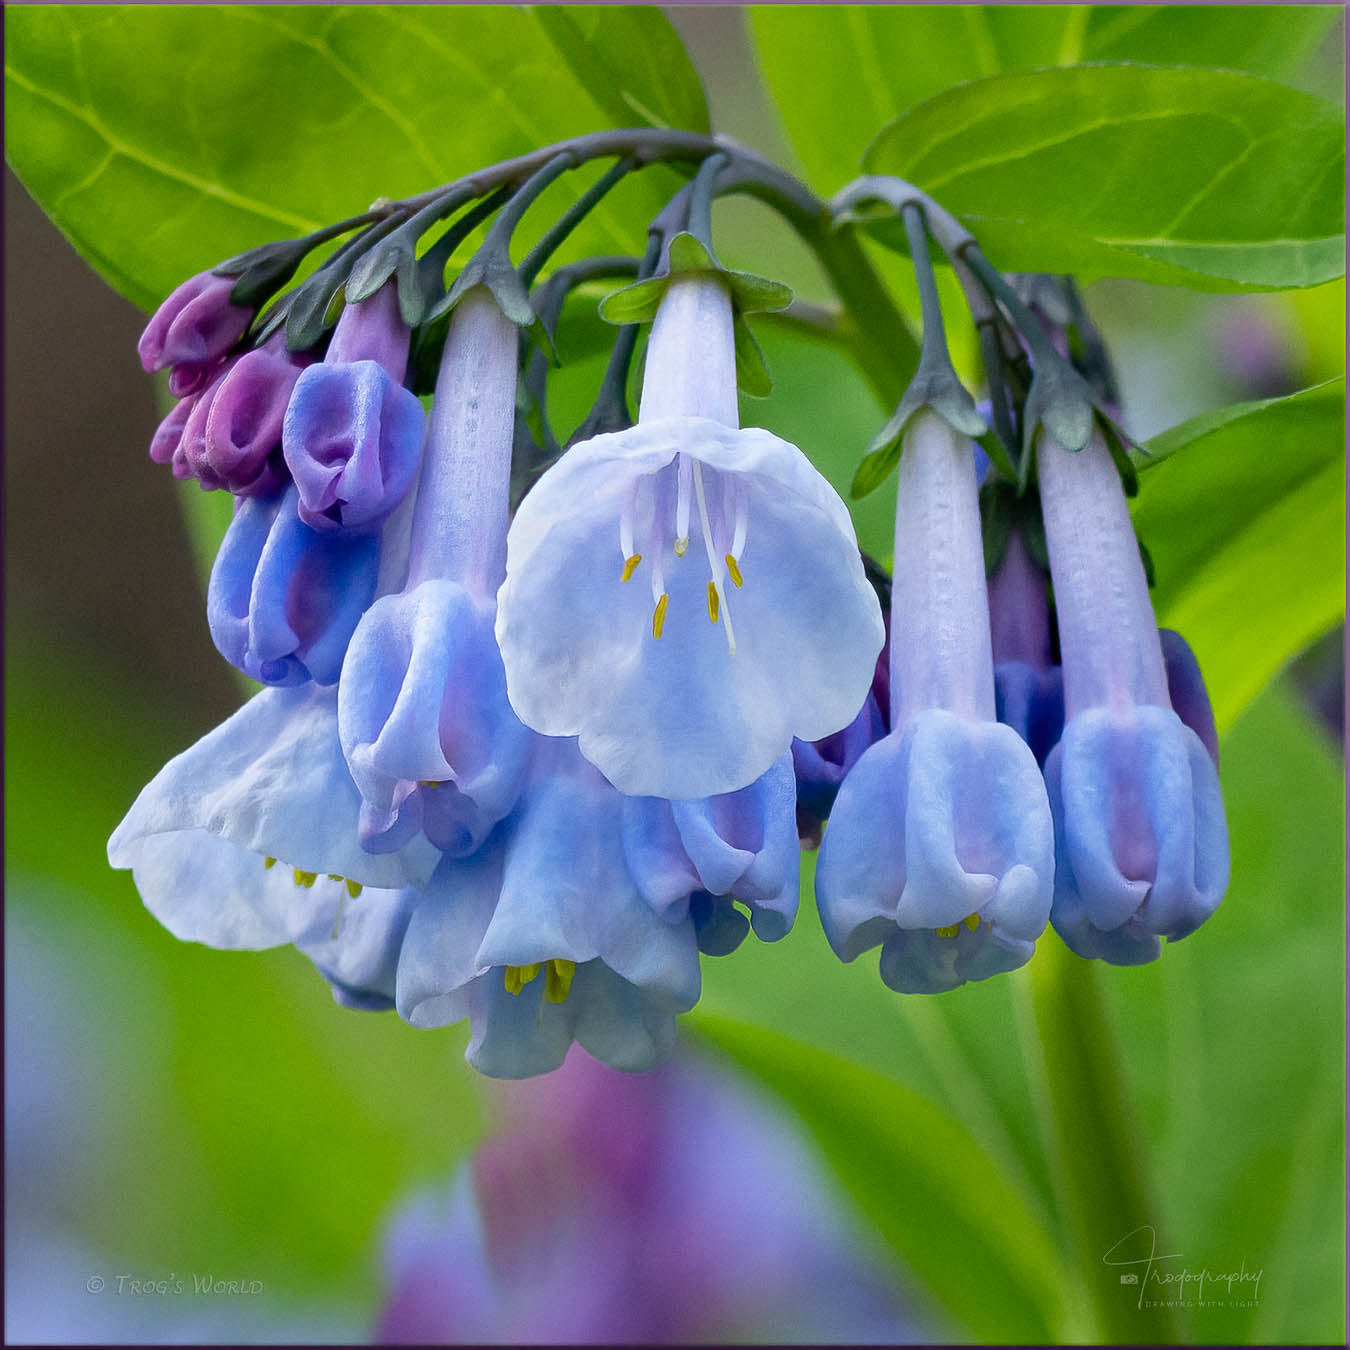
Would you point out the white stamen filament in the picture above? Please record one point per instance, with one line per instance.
(740, 517)
(684, 469)
(714, 563)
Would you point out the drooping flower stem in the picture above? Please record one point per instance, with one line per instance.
(572, 217)
(460, 522)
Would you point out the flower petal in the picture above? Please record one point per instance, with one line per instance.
(681, 716)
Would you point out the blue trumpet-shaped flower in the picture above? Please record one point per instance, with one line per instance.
(542, 936)
(284, 600)
(694, 857)
(353, 434)
(940, 843)
(249, 838)
(684, 596)
(1141, 839)
(430, 738)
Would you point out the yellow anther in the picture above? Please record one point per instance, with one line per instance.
(972, 922)
(558, 975)
(734, 572)
(354, 888)
(269, 864)
(517, 977)
(428, 782)
(682, 547)
(630, 565)
(714, 603)
(305, 879)
(948, 932)
(659, 615)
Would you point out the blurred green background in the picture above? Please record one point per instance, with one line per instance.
(173, 1109)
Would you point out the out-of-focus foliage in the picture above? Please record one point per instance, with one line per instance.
(1246, 509)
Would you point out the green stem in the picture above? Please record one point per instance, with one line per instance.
(1105, 1192)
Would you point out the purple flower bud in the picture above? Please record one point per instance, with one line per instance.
(353, 434)
(232, 440)
(195, 326)
(164, 444)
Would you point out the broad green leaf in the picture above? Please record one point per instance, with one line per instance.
(630, 60)
(917, 1174)
(1201, 178)
(162, 139)
(900, 55)
(1243, 512)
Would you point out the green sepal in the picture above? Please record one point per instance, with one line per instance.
(752, 374)
(1146, 558)
(938, 389)
(688, 255)
(492, 268)
(263, 271)
(992, 445)
(314, 307)
(1120, 445)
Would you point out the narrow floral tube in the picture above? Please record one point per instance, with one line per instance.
(352, 434)
(686, 596)
(429, 735)
(940, 844)
(1141, 839)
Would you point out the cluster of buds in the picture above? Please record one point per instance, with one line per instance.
(543, 726)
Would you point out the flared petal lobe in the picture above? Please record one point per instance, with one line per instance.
(196, 325)
(283, 601)
(429, 735)
(686, 598)
(1141, 838)
(939, 848)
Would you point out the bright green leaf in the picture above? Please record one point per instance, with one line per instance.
(1201, 178)
(903, 54)
(162, 139)
(1243, 512)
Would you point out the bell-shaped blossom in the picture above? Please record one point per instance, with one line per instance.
(693, 857)
(248, 839)
(284, 600)
(940, 845)
(1028, 686)
(193, 330)
(432, 742)
(232, 436)
(542, 937)
(353, 434)
(685, 596)
(667, 1208)
(1140, 835)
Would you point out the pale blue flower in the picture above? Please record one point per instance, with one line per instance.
(695, 856)
(249, 838)
(940, 843)
(685, 596)
(430, 738)
(1141, 838)
(542, 936)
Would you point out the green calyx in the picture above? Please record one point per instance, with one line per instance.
(688, 255)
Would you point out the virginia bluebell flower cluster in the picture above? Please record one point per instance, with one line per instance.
(539, 733)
